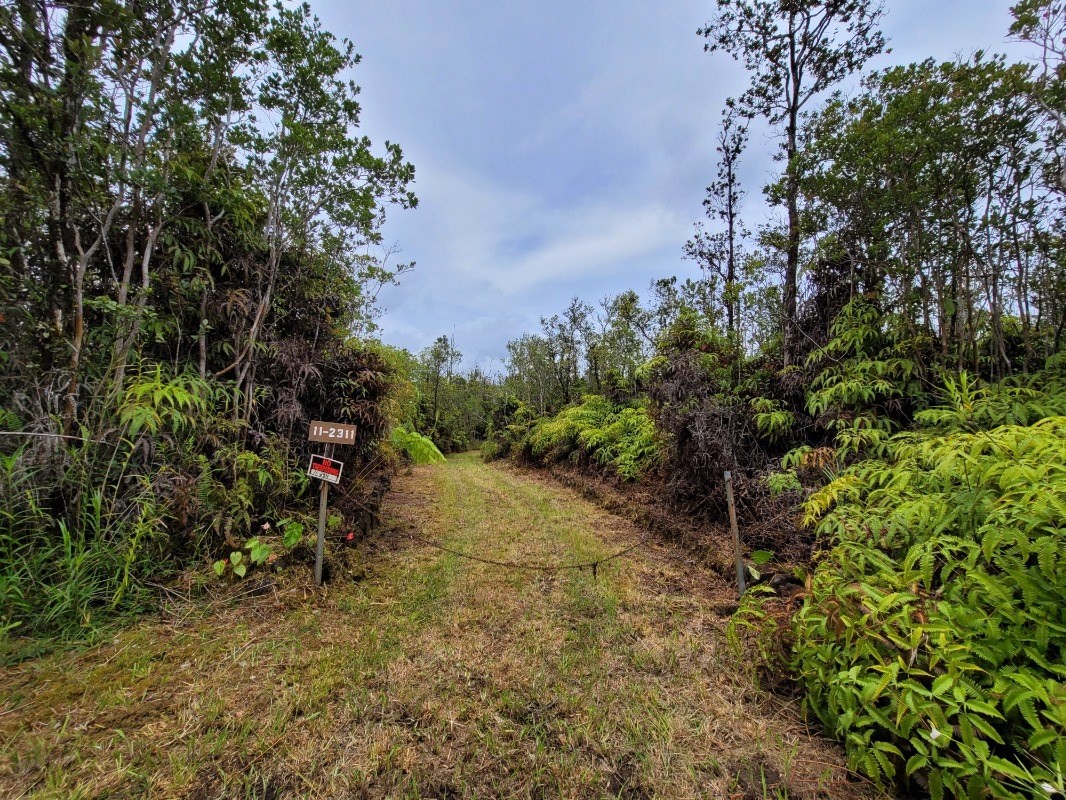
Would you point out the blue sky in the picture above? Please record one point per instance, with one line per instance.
(562, 148)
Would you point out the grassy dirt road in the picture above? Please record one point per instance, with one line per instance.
(433, 676)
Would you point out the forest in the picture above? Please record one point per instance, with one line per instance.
(191, 253)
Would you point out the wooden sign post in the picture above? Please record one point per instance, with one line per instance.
(736, 532)
(328, 471)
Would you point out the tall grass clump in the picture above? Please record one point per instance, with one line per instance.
(89, 520)
(80, 533)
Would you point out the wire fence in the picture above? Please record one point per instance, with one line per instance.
(593, 565)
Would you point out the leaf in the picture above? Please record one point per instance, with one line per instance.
(259, 554)
(219, 567)
(240, 570)
(294, 532)
(236, 557)
(760, 557)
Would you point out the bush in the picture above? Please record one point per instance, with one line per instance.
(596, 430)
(555, 438)
(492, 450)
(933, 638)
(420, 449)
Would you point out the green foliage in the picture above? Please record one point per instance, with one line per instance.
(63, 575)
(155, 401)
(937, 168)
(292, 533)
(970, 404)
(623, 439)
(420, 449)
(863, 373)
(455, 409)
(555, 438)
(260, 551)
(238, 486)
(508, 429)
(773, 422)
(784, 481)
(933, 637)
(754, 635)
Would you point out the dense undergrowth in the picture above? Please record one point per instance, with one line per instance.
(622, 439)
(88, 525)
(187, 279)
(932, 638)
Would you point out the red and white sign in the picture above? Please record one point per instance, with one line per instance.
(325, 469)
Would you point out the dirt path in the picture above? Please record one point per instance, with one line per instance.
(435, 676)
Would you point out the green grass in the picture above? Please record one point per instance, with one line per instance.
(435, 676)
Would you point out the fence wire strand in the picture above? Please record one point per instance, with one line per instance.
(594, 565)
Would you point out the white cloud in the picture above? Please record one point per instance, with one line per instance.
(563, 149)
(589, 243)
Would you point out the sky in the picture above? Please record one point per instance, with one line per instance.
(562, 148)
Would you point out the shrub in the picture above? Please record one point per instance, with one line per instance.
(933, 638)
(420, 449)
(555, 438)
(866, 379)
(622, 439)
(628, 443)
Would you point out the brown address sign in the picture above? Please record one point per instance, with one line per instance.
(331, 432)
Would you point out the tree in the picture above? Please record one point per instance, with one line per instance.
(438, 364)
(530, 376)
(1043, 23)
(928, 189)
(323, 183)
(717, 253)
(154, 156)
(794, 50)
(565, 335)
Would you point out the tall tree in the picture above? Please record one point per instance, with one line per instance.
(530, 375)
(1043, 23)
(565, 336)
(438, 364)
(794, 50)
(717, 252)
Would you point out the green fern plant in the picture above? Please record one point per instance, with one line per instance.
(932, 638)
(623, 439)
(155, 401)
(861, 371)
(420, 449)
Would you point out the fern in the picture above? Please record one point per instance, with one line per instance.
(154, 401)
(420, 449)
(622, 439)
(932, 638)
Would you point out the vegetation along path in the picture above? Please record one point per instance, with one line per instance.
(432, 676)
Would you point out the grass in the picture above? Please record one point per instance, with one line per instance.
(435, 676)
